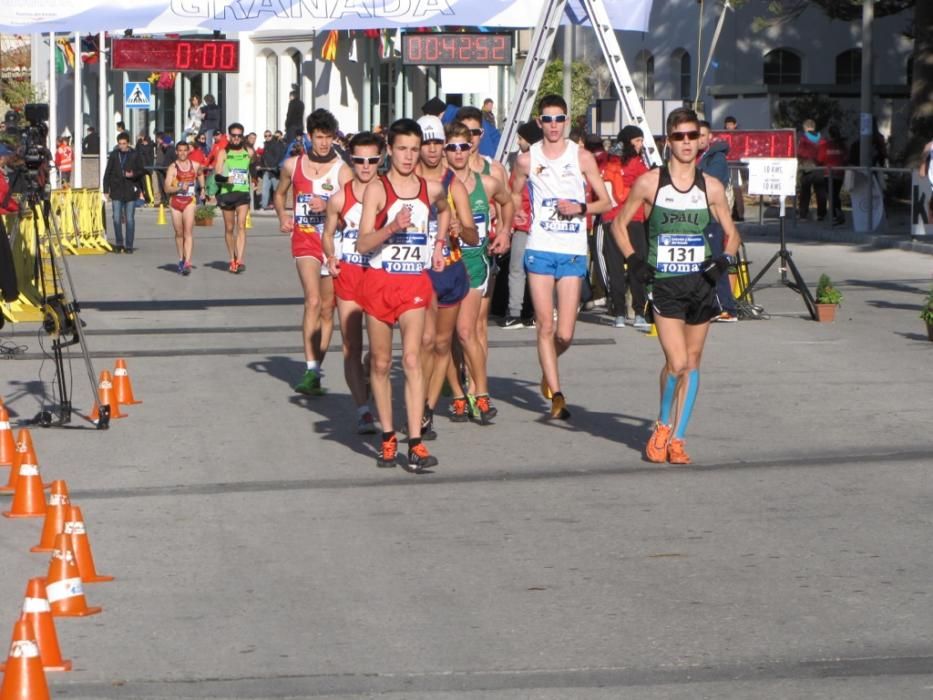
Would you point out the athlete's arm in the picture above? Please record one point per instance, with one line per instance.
(200, 176)
(374, 199)
(602, 203)
(438, 197)
(461, 197)
(719, 208)
(503, 240)
(171, 184)
(520, 179)
(642, 193)
(332, 220)
(286, 223)
(344, 175)
(219, 162)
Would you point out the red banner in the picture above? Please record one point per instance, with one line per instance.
(764, 143)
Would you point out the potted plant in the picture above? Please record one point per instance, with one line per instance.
(204, 215)
(926, 313)
(827, 299)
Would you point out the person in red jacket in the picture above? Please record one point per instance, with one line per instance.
(833, 154)
(8, 205)
(620, 174)
(811, 180)
(64, 160)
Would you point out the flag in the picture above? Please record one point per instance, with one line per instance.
(329, 49)
(64, 56)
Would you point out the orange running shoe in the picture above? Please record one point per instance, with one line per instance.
(388, 452)
(559, 407)
(458, 410)
(676, 453)
(419, 459)
(545, 389)
(656, 449)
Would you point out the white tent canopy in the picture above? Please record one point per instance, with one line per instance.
(158, 16)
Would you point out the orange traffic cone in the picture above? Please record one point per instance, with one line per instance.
(7, 443)
(28, 499)
(24, 678)
(63, 584)
(24, 452)
(106, 396)
(55, 516)
(81, 546)
(37, 612)
(122, 386)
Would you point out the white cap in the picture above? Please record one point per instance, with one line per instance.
(66, 134)
(431, 128)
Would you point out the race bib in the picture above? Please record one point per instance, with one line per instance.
(239, 177)
(680, 253)
(348, 252)
(303, 214)
(554, 222)
(405, 253)
(186, 189)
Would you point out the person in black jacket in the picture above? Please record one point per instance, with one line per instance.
(273, 151)
(210, 117)
(146, 150)
(123, 185)
(294, 117)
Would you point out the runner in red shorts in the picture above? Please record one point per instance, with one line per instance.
(347, 266)
(394, 231)
(314, 178)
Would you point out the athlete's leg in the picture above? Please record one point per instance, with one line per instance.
(229, 234)
(351, 332)
(178, 223)
(380, 352)
(671, 335)
(689, 383)
(472, 347)
(411, 324)
(328, 304)
(542, 298)
(446, 323)
(240, 242)
(482, 320)
(309, 272)
(427, 344)
(568, 301)
(188, 221)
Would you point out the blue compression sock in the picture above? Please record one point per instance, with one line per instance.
(693, 384)
(667, 399)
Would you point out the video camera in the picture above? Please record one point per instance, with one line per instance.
(32, 148)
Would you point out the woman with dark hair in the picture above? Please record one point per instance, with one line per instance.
(625, 165)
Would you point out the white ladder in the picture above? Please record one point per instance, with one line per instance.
(540, 51)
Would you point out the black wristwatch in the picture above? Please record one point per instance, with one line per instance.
(582, 209)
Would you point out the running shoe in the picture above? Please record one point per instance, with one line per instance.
(366, 424)
(511, 322)
(641, 324)
(676, 454)
(545, 389)
(559, 407)
(386, 458)
(485, 411)
(310, 384)
(181, 267)
(240, 266)
(471, 406)
(726, 317)
(419, 459)
(528, 322)
(656, 449)
(458, 410)
(187, 269)
(619, 322)
(234, 268)
(427, 425)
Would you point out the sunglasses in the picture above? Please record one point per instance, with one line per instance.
(457, 147)
(267, 135)
(684, 135)
(548, 118)
(476, 132)
(236, 136)
(368, 160)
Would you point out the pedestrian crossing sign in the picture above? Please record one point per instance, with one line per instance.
(137, 96)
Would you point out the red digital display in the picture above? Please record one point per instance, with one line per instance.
(181, 55)
(766, 143)
(456, 49)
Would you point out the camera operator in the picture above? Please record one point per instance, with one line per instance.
(123, 185)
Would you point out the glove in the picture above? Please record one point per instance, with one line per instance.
(638, 269)
(714, 268)
(220, 178)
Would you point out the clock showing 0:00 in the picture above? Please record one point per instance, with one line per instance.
(456, 49)
(194, 55)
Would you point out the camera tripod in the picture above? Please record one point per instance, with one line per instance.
(61, 311)
(787, 263)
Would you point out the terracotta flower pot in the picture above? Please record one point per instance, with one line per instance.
(826, 313)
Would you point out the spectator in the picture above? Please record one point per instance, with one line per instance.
(64, 160)
(202, 145)
(434, 107)
(737, 178)
(811, 178)
(210, 118)
(193, 126)
(122, 185)
(519, 299)
(147, 154)
(713, 162)
(273, 151)
(90, 145)
(833, 154)
(488, 115)
(730, 123)
(164, 157)
(295, 116)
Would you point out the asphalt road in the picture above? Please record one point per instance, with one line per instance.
(259, 553)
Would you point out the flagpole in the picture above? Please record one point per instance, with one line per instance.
(78, 114)
(53, 104)
(102, 116)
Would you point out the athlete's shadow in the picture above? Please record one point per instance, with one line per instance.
(632, 431)
(338, 421)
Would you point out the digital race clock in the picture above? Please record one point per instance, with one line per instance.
(194, 55)
(456, 49)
